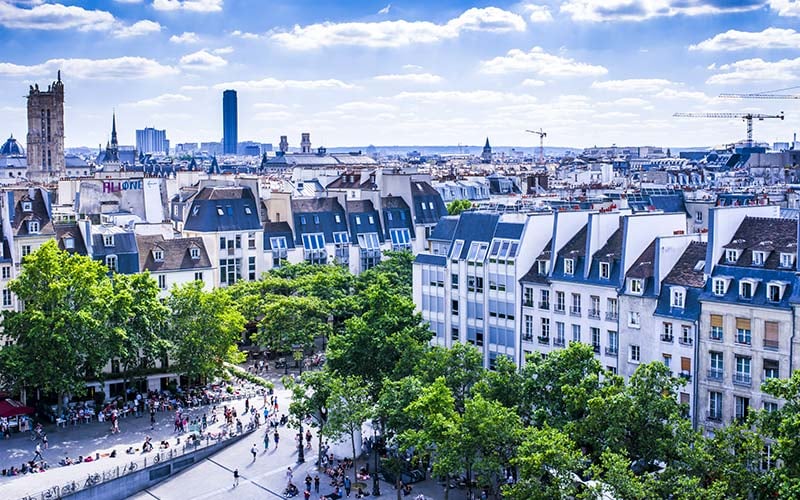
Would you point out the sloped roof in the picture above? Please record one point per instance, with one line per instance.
(577, 245)
(177, 256)
(770, 234)
(644, 266)
(683, 272)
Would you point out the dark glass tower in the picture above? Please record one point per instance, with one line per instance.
(230, 124)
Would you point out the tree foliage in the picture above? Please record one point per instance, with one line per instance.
(455, 207)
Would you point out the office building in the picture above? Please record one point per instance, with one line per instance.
(230, 123)
(150, 140)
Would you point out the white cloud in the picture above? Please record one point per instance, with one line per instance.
(770, 38)
(275, 84)
(159, 101)
(790, 8)
(223, 50)
(466, 97)
(272, 115)
(190, 5)
(128, 1)
(410, 78)
(269, 105)
(538, 13)
(638, 85)
(96, 69)
(185, 37)
(756, 70)
(540, 62)
(245, 35)
(385, 10)
(683, 94)
(530, 82)
(398, 33)
(193, 88)
(55, 16)
(412, 67)
(372, 107)
(202, 60)
(139, 28)
(639, 10)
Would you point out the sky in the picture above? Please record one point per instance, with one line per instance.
(409, 72)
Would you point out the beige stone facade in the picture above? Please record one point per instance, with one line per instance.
(46, 131)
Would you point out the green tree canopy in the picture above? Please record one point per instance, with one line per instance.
(455, 207)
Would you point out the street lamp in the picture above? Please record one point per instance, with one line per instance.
(376, 487)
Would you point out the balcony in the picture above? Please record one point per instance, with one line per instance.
(685, 375)
(527, 337)
(612, 316)
(743, 379)
(594, 314)
(544, 305)
(575, 311)
(772, 345)
(527, 303)
(596, 348)
(715, 335)
(559, 310)
(666, 338)
(544, 340)
(685, 340)
(558, 342)
(611, 351)
(714, 374)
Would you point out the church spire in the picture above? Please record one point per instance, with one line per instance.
(114, 129)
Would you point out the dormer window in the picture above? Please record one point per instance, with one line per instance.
(787, 260)
(248, 211)
(371, 220)
(759, 258)
(635, 286)
(194, 252)
(677, 297)
(541, 266)
(33, 227)
(158, 255)
(108, 240)
(337, 218)
(220, 211)
(719, 286)
(569, 266)
(69, 243)
(731, 255)
(746, 288)
(774, 292)
(27, 206)
(605, 270)
(358, 220)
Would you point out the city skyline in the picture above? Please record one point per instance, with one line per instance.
(587, 72)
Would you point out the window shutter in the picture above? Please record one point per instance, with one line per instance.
(716, 320)
(686, 364)
(742, 324)
(771, 331)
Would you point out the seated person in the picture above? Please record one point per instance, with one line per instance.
(113, 454)
(88, 459)
(406, 489)
(291, 490)
(129, 451)
(360, 493)
(79, 460)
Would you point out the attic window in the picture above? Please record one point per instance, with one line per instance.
(337, 218)
(195, 210)
(371, 220)
(27, 206)
(720, 286)
(774, 292)
(701, 264)
(388, 215)
(220, 211)
(69, 243)
(248, 211)
(759, 258)
(33, 227)
(194, 252)
(108, 240)
(678, 297)
(635, 286)
(731, 255)
(787, 260)
(158, 255)
(746, 289)
(569, 266)
(605, 270)
(542, 266)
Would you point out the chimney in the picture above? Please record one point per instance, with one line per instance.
(284, 145)
(305, 142)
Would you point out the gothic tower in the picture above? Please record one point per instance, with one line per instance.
(46, 131)
(486, 155)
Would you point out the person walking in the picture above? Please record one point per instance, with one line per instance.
(277, 438)
(38, 452)
(316, 484)
(266, 440)
(289, 475)
(347, 486)
(235, 478)
(152, 417)
(254, 452)
(308, 482)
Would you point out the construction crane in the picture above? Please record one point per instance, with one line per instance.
(767, 94)
(747, 117)
(541, 135)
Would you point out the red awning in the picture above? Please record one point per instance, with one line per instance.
(13, 408)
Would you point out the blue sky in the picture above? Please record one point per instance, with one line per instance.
(410, 72)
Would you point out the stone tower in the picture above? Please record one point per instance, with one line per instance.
(46, 131)
(486, 155)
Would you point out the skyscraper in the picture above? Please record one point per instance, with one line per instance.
(152, 140)
(46, 131)
(230, 126)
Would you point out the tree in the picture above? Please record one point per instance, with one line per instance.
(204, 328)
(783, 426)
(461, 367)
(455, 207)
(291, 321)
(61, 337)
(310, 400)
(349, 406)
(396, 270)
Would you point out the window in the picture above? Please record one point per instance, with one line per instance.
(743, 335)
(401, 239)
(454, 307)
(544, 299)
(774, 292)
(454, 281)
(477, 253)
(787, 260)
(341, 244)
(26, 250)
(575, 309)
(158, 255)
(542, 266)
(279, 250)
(371, 219)
(698, 217)
(716, 327)
(475, 284)
(605, 270)
(248, 210)
(108, 240)
(635, 286)
(720, 286)
(613, 343)
(69, 243)
(302, 220)
(337, 218)
(666, 334)
(544, 337)
(194, 253)
(771, 337)
(111, 262)
(686, 337)
(6, 272)
(198, 276)
(454, 334)
(741, 405)
(6, 297)
(634, 319)
(220, 211)
(27, 206)
(731, 256)
(742, 374)
(714, 405)
(595, 332)
(358, 220)
(759, 258)
(771, 368)
(33, 227)
(230, 270)
(770, 406)
(667, 360)
(613, 311)
(162, 281)
(251, 268)
(576, 333)
(238, 240)
(716, 366)
(251, 241)
(314, 248)
(527, 297)
(455, 253)
(528, 332)
(686, 367)
(559, 340)
(594, 308)
(746, 289)
(559, 307)
(569, 266)
(635, 354)
(316, 219)
(114, 366)
(678, 297)
(370, 250)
